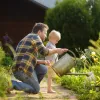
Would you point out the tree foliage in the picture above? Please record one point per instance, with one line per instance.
(77, 20)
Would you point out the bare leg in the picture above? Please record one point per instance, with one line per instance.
(49, 88)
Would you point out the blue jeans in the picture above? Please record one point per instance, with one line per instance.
(30, 84)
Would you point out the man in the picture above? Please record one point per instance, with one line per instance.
(27, 68)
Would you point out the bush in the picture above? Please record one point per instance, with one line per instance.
(5, 78)
(5, 81)
(7, 61)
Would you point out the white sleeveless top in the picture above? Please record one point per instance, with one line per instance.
(54, 57)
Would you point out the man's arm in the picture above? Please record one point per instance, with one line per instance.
(45, 51)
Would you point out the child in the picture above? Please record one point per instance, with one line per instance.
(54, 37)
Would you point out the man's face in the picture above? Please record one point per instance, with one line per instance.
(43, 34)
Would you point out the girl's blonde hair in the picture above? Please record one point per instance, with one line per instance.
(55, 34)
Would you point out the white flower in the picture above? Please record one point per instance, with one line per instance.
(83, 57)
(93, 53)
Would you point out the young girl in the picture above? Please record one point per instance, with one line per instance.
(54, 37)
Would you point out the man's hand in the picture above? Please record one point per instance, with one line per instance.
(46, 62)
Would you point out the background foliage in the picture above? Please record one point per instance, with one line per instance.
(5, 78)
(77, 20)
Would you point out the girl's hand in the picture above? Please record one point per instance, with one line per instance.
(61, 50)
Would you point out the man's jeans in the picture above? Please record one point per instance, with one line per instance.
(30, 84)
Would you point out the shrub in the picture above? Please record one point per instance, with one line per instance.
(7, 61)
(5, 81)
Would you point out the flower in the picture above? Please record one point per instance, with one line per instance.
(95, 59)
(93, 54)
(83, 57)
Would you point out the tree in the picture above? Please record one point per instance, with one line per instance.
(77, 21)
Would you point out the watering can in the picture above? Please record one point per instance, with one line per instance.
(65, 64)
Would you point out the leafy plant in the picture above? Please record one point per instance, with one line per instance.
(7, 61)
(5, 81)
(84, 86)
(2, 54)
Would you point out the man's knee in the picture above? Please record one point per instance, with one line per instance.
(33, 90)
(36, 91)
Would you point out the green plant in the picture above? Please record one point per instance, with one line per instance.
(84, 86)
(2, 54)
(5, 81)
(87, 58)
(95, 47)
(7, 61)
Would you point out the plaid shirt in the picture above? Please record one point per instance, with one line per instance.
(26, 52)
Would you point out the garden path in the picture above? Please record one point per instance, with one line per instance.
(61, 93)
